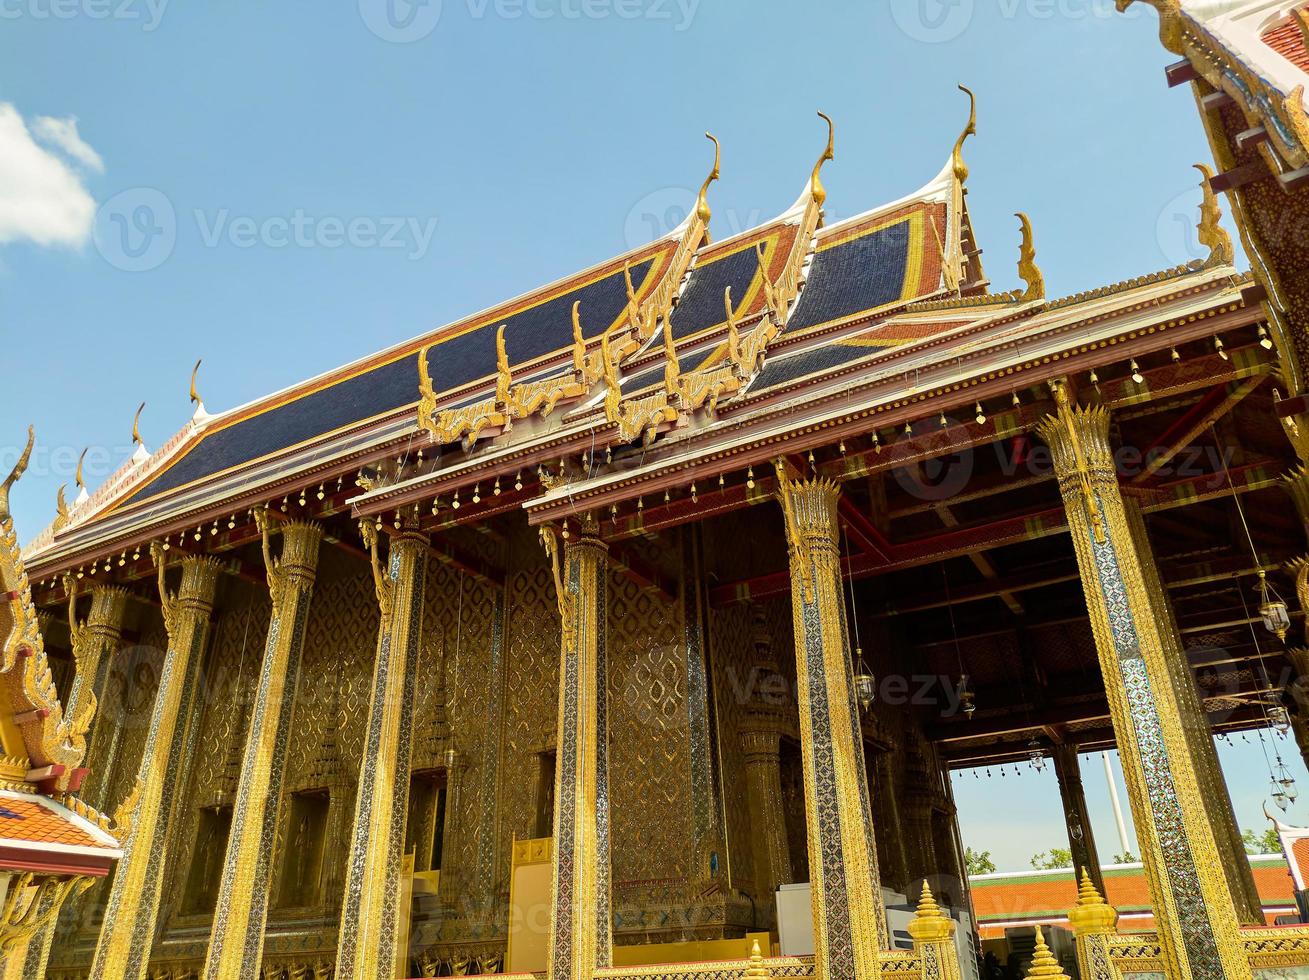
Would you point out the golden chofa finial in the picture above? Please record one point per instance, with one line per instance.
(16, 473)
(61, 509)
(195, 371)
(1028, 270)
(957, 158)
(77, 477)
(816, 189)
(579, 342)
(1212, 234)
(136, 427)
(702, 200)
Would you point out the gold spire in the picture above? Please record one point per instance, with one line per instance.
(816, 189)
(136, 427)
(19, 469)
(1043, 962)
(1092, 915)
(957, 158)
(1212, 234)
(756, 968)
(1028, 270)
(195, 371)
(81, 484)
(702, 200)
(930, 924)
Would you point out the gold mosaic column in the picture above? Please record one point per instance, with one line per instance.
(710, 859)
(849, 920)
(763, 780)
(580, 927)
(236, 941)
(449, 884)
(1077, 816)
(131, 916)
(761, 742)
(370, 913)
(1192, 899)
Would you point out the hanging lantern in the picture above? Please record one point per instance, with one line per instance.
(865, 690)
(1278, 793)
(1272, 610)
(966, 700)
(865, 684)
(1280, 719)
(1035, 756)
(1286, 781)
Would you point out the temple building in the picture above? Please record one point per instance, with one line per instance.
(634, 627)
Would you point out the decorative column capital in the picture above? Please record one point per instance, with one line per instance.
(108, 608)
(809, 507)
(761, 745)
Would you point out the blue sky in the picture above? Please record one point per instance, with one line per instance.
(280, 188)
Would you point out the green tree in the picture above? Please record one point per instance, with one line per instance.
(1266, 843)
(978, 862)
(1126, 858)
(1054, 859)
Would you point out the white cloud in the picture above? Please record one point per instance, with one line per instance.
(42, 199)
(63, 134)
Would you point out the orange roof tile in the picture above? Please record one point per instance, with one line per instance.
(1288, 41)
(29, 820)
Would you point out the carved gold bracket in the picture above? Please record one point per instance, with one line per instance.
(272, 567)
(381, 584)
(553, 549)
(1211, 232)
(23, 914)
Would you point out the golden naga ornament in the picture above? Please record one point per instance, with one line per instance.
(957, 165)
(1028, 270)
(1212, 234)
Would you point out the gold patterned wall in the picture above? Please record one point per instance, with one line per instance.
(649, 764)
(532, 691)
